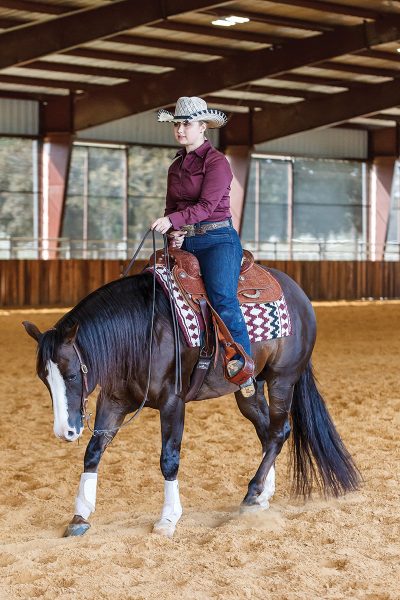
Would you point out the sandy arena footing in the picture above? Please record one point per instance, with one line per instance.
(323, 549)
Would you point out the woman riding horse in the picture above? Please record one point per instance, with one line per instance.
(197, 216)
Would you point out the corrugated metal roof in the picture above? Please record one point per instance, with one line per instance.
(19, 117)
(326, 143)
(172, 42)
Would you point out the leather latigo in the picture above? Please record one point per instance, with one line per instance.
(256, 285)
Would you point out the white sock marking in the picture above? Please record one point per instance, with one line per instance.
(85, 502)
(172, 509)
(269, 485)
(269, 488)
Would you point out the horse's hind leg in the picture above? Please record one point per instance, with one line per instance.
(256, 410)
(280, 398)
(172, 415)
(109, 417)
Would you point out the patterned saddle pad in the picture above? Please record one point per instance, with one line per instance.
(264, 320)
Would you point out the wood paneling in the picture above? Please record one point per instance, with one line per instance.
(65, 282)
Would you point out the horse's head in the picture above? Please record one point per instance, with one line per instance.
(58, 366)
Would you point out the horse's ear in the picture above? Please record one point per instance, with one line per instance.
(32, 330)
(70, 336)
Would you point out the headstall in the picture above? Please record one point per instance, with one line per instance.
(85, 385)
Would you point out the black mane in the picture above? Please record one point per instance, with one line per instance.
(114, 328)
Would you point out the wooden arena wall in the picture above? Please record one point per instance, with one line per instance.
(65, 282)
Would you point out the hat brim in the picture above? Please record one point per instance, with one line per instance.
(213, 117)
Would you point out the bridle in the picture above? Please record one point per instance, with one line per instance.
(85, 385)
(109, 433)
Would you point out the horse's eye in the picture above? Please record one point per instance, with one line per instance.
(71, 377)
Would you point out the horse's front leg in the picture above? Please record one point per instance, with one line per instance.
(172, 415)
(109, 416)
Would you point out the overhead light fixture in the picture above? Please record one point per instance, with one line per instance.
(397, 49)
(235, 20)
(221, 23)
(229, 21)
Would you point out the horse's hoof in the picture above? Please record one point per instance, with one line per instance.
(246, 509)
(164, 527)
(77, 527)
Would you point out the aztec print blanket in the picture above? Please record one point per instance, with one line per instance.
(264, 321)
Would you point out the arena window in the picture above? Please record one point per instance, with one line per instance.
(113, 194)
(305, 208)
(95, 204)
(147, 180)
(19, 197)
(393, 238)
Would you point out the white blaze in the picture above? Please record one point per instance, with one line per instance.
(60, 403)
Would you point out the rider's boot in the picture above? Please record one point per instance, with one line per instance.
(247, 388)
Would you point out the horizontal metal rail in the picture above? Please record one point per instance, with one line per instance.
(117, 249)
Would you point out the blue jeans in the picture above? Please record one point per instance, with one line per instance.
(219, 253)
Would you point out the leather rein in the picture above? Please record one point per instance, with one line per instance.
(109, 433)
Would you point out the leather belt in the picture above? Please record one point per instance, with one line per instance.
(201, 229)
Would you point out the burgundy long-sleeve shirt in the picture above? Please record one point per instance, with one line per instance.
(198, 187)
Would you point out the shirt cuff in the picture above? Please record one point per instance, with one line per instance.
(177, 220)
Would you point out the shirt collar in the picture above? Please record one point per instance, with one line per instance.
(201, 151)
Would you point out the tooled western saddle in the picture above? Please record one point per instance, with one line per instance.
(256, 285)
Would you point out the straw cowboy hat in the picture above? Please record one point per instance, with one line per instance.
(193, 109)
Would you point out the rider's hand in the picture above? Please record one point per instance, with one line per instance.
(163, 224)
(176, 238)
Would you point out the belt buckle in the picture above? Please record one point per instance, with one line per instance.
(200, 230)
(190, 230)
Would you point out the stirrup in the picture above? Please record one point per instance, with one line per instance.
(247, 388)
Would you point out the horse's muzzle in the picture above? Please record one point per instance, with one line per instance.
(69, 435)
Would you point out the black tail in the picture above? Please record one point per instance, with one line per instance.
(318, 453)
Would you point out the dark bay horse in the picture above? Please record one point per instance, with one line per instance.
(111, 328)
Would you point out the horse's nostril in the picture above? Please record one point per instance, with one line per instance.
(70, 433)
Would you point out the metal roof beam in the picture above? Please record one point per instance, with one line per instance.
(78, 69)
(35, 40)
(335, 8)
(272, 19)
(221, 32)
(61, 84)
(280, 91)
(6, 23)
(380, 55)
(386, 117)
(129, 57)
(239, 102)
(317, 80)
(35, 7)
(333, 65)
(131, 98)
(332, 110)
(168, 44)
(27, 95)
